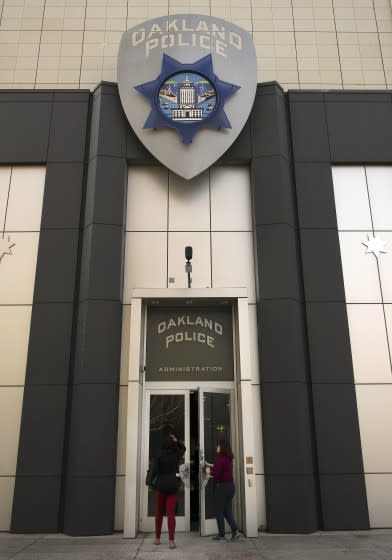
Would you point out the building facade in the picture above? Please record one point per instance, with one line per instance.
(291, 233)
(334, 44)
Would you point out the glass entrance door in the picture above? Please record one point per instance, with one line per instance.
(164, 411)
(215, 424)
(201, 417)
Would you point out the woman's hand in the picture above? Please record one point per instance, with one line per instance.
(209, 464)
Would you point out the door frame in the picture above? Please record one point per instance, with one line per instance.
(185, 388)
(246, 479)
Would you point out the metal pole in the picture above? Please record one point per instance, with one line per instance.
(188, 270)
(188, 265)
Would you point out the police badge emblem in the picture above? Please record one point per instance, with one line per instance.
(191, 73)
(187, 97)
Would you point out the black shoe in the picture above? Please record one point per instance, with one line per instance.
(236, 535)
(219, 538)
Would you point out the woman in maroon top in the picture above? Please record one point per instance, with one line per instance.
(222, 471)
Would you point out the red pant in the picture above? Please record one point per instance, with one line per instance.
(165, 503)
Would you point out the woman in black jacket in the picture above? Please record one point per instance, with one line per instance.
(167, 485)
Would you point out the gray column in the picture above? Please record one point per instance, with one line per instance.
(290, 467)
(339, 456)
(47, 128)
(92, 444)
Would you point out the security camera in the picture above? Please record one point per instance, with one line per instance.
(188, 253)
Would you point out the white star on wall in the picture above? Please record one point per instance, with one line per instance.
(5, 246)
(374, 245)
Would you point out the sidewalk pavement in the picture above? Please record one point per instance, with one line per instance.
(369, 545)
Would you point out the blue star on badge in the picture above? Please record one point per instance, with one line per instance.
(187, 97)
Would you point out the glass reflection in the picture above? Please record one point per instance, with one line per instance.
(216, 428)
(165, 411)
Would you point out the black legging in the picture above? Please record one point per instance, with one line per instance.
(224, 493)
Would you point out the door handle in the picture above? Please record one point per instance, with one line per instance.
(185, 474)
(204, 473)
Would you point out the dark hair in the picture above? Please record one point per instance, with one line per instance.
(171, 430)
(225, 449)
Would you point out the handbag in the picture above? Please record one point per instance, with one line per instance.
(151, 479)
(152, 475)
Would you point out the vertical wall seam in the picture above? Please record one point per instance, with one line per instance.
(82, 50)
(379, 44)
(210, 208)
(167, 228)
(6, 205)
(295, 41)
(337, 44)
(39, 45)
(379, 274)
